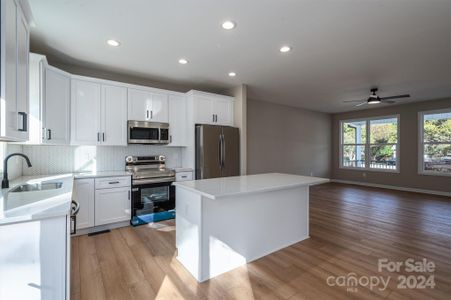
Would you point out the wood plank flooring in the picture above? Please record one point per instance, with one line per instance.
(351, 227)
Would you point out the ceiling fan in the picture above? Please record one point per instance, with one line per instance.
(375, 99)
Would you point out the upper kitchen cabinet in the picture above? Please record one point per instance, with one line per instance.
(211, 108)
(177, 120)
(99, 113)
(49, 90)
(85, 112)
(15, 16)
(147, 106)
(114, 115)
(56, 107)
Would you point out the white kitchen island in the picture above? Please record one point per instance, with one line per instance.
(223, 223)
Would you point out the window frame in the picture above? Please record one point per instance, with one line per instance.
(421, 170)
(368, 144)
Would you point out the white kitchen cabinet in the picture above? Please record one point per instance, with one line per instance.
(49, 98)
(99, 113)
(84, 195)
(177, 120)
(212, 108)
(114, 115)
(36, 95)
(35, 259)
(139, 103)
(85, 112)
(14, 72)
(112, 205)
(203, 110)
(159, 111)
(147, 106)
(55, 106)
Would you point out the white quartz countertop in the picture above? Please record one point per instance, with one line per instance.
(250, 184)
(101, 174)
(34, 205)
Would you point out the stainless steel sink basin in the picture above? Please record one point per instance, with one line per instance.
(37, 187)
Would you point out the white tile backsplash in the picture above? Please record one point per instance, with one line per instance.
(67, 159)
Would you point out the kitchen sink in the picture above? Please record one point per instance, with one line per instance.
(37, 187)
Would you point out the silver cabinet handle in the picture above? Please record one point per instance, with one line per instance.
(184, 176)
(213, 118)
(170, 139)
(151, 114)
(103, 136)
(113, 182)
(147, 114)
(98, 136)
(49, 137)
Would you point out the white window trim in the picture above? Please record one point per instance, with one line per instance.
(421, 170)
(368, 144)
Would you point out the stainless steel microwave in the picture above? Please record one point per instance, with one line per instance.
(142, 132)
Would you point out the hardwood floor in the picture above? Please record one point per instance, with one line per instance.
(351, 228)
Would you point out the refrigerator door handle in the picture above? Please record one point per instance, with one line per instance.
(220, 151)
(223, 150)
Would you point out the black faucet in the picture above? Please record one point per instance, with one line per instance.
(5, 181)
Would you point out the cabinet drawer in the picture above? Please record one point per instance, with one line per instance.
(112, 182)
(184, 176)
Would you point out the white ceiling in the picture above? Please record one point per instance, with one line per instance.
(340, 48)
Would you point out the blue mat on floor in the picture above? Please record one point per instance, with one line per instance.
(154, 217)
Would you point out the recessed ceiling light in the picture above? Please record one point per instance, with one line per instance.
(232, 74)
(285, 49)
(227, 25)
(183, 61)
(113, 43)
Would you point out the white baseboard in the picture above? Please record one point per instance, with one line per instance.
(392, 187)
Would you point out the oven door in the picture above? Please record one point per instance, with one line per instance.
(152, 202)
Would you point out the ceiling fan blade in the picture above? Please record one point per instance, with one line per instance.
(360, 104)
(353, 101)
(395, 97)
(388, 101)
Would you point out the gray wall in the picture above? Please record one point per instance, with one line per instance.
(287, 139)
(408, 176)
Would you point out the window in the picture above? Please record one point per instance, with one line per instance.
(370, 144)
(435, 142)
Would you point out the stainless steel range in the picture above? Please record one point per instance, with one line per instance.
(153, 196)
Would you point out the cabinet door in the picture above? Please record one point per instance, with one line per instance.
(9, 58)
(84, 195)
(112, 205)
(177, 120)
(85, 104)
(139, 103)
(223, 109)
(55, 106)
(114, 115)
(34, 254)
(203, 110)
(22, 76)
(159, 108)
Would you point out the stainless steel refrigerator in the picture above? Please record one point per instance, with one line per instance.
(217, 151)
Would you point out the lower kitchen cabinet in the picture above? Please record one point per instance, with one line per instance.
(84, 195)
(103, 201)
(112, 205)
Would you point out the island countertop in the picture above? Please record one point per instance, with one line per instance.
(239, 185)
